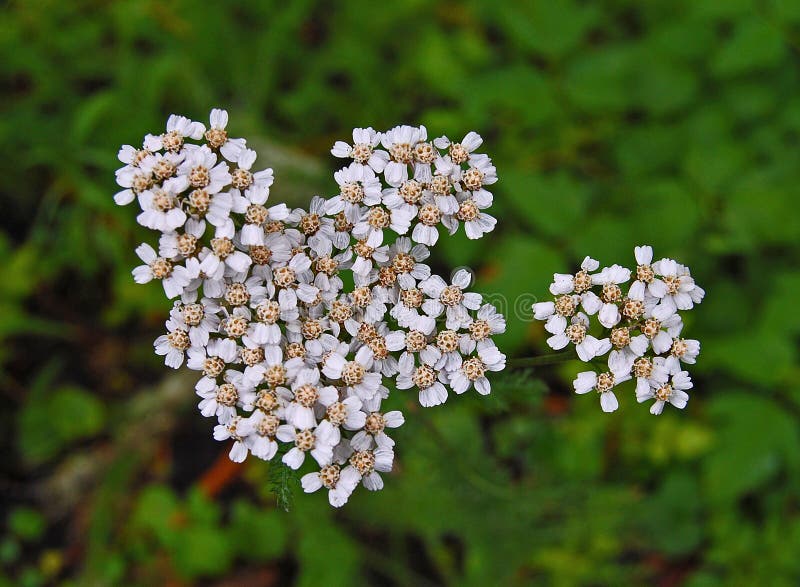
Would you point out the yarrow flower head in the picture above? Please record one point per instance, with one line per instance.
(291, 365)
(639, 329)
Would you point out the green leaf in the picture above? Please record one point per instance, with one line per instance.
(675, 205)
(31, 577)
(51, 420)
(201, 510)
(282, 481)
(550, 29)
(202, 551)
(757, 356)
(756, 441)
(600, 81)
(715, 167)
(757, 213)
(679, 39)
(80, 414)
(755, 44)
(527, 98)
(156, 511)
(26, 523)
(713, 9)
(520, 276)
(9, 551)
(663, 87)
(647, 149)
(672, 516)
(552, 203)
(259, 534)
(327, 555)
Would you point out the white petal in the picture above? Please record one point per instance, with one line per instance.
(608, 401)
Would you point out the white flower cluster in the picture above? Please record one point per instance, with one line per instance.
(292, 364)
(641, 328)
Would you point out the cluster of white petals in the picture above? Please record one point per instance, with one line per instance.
(291, 365)
(639, 329)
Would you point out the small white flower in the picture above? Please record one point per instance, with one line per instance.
(255, 184)
(367, 251)
(199, 319)
(604, 384)
(358, 186)
(407, 311)
(486, 324)
(320, 230)
(661, 333)
(179, 128)
(313, 334)
(626, 346)
(293, 282)
(460, 152)
(256, 215)
(405, 261)
(212, 285)
(218, 400)
(135, 180)
(222, 254)
(473, 371)
(307, 392)
(175, 246)
(678, 288)
(217, 136)
(272, 369)
(369, 308)
(611, 296)
(374, 433)
(132, 156)
(339, 483)
(646, 281)
(355, 374)
(443, 352)
(203, 172)
(173, 346)
(555, 313)
(315, 442)
(427, 380)
(666, 387)
(262, 441)
(565, 283)
(173, 278)
(363, 149)
(375, 219)
(480, 173)
(470, 211)
(160, 210)
(367, 464)
(239, 429)
(212, 358)
(450, 298)
(345, 413)
(401, 142)
(683, 350)
(429, 216)
(587, 346)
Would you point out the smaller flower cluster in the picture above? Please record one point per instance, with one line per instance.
(639, 329)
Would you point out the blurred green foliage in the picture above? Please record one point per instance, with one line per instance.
(612, 123)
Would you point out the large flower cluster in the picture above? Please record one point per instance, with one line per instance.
(291, 364)
(640, 329)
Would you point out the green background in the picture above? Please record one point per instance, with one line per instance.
(611, 123)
